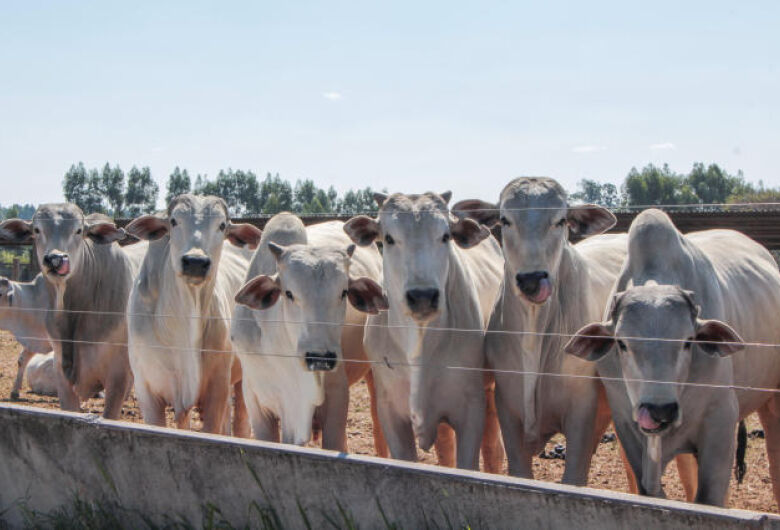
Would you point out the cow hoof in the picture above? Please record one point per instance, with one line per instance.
(14, 395)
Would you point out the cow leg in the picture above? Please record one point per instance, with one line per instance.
(67, 396)
(152, 408)
(519, 459)
(241, 427)
(380, 444)
(397, 426)
(116, 388)
(469, 432)
(582, 432)
(770, 420)
(687, 468)
(333, 412)
(21, 363)
(716, 458)
(630, 477)
(492, 448)
(445, 445)
(214, 405)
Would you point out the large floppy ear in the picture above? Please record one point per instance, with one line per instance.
(16, 230)
(261, 292)
(590, 219)
(483, 212)
(362, 229)
(101, 229)
(149, 227)
(467, 232)
(718, 338)
(243, 235)
(591, 342)
(366, 295)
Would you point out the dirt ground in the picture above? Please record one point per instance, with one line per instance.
(755, 493)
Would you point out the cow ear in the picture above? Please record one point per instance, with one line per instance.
(276, 250)
(590, 219)
(446, 196)
(467, 232)
(243, 235)
(16, 230)
(149, 227)
(366, 295)
(102, 231)
(591, 342)
(362, 229)
(260, 292)
(718, 338)
(380, 198)
(481, 211)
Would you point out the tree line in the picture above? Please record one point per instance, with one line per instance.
(654, 185)
(109, 190)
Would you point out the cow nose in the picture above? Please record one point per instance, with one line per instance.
(535, 285)
(422, 300)
(320, 361)
(195, 265)
(53, 260)
(662, 414)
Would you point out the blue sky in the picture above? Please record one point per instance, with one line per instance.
(409, 96)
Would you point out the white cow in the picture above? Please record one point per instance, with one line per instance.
(23, 309)
(687, 291)
(41, 372)
(551, 288)
(89, 278)
(441, 276)
(295, 328)
(179, 312)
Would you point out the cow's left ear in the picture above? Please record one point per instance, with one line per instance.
(366, 295)
(102, 231)
(362, 229)
(16, 230)
(243, 235)
(591, 342)
(590, 219)
(717, 338)
(467, 232)
(261, 292)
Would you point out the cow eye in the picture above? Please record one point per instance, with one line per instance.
(222, 227)
(505, 221)
(37, 230)
(343, 294)
(621, 345)
(687, 345)
(561, 222)
(389, 240)
(78, 231)
(289, 295)
(173, 222)
(445, 238)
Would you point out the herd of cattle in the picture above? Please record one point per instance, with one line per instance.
(466, 344)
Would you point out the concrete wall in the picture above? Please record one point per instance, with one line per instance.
(46, 458)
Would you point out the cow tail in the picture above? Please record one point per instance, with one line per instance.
(741, 468)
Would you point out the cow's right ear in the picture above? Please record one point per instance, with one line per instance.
(482, 212)
(591, 342)
(149, 227)
(362, 229)
(16, 230)
(260, 292)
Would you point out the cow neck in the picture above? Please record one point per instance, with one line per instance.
(539, 353)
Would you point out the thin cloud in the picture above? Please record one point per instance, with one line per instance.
(588, 148)
(332, 96)
(663, 146)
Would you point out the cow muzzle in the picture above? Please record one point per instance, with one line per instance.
(535, 286)
(57, 264)
(320, 361)
(195, 266)
(423, 303)
(653, 419)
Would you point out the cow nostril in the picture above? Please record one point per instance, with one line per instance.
(320, 361)
(195, 265)
(666, 413)
(422, 299)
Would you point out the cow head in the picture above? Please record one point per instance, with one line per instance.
(655, 330)
(60, 232)
(6, 292)
(196, 227)
(417, 232)
(313, 283)
(535, 220)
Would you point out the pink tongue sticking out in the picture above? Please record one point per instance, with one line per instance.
(545, 290)
(645, 421)
(64, 267)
